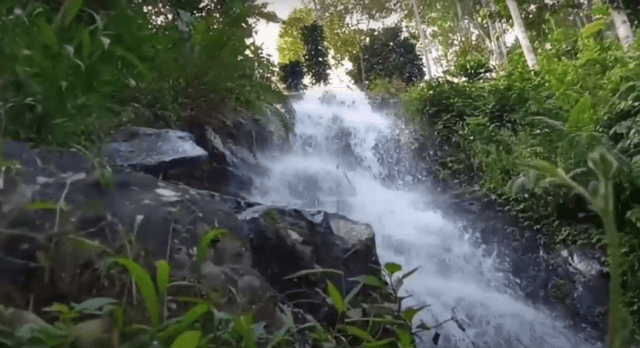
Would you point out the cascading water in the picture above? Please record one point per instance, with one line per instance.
(341, 162)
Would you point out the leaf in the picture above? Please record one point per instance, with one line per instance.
(70, 51)
(71, 9)
(86, 45)
(94, 304)
(392, 268)
(42, 205)
(313, 271)
(336, 297)
(187, 319)
(405, 338)
(379, 343)
(352, 330)
(370, 280)
(634, 215)
(162, 275)
(57, 307)
(410, 312)
(410, 273)
(542, 166)
(279, 336)
(244, 326)
(205, 244)
(594, 27)
(353, 293)
(147, 289)
(131, 58)
(105, 42)
(47, 34)
(188, 339)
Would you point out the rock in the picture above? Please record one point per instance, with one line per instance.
(57, 208)
(243, 291)
(216, 178)
(14, 319)
(165, 219)
(284, 242)
(154, 151)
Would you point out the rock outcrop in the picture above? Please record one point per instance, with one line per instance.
(59, 212)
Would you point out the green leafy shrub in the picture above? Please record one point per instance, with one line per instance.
(65, 82)
(584, 97)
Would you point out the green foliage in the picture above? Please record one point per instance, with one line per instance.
(585, 96)
(388, 55)
(71, 74)
(206, 242)
(315, 56)
(601, 198)
(369, 317)
(290, 45)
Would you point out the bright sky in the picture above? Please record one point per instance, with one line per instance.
(267, 33)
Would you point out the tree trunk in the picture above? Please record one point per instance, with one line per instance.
(523, 37)
(362, 67)
(623, 27)
(423, 37)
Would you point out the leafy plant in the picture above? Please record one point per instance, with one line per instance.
(601, 197)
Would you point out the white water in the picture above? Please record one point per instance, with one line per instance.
(453, 273)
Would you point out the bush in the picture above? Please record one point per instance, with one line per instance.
(584, 96)
(70, 74)
(371, 315)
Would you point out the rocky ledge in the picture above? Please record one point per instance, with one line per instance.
(152, 196)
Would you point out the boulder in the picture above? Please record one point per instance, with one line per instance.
(198, 160)
(58, 205)
(286, 241)
(154, 151)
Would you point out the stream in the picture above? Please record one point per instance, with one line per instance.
(345, 159)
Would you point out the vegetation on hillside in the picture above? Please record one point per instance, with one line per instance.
(72, 70)
(566, 88)
(171, 312)
(583, 96)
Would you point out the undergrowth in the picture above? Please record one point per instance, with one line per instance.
(370, 315)
(584, 97)
(69, 74)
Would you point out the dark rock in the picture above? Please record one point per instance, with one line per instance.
(284, 242)
(154, 151)
(165, 221)
(213, 177)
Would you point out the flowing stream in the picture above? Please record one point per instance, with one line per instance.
(342, 160)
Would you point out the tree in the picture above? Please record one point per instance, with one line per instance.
(290, 45)
(390, 55)
(423, 37)
(292, 76)
(316, 58)
(621, 23)
(523, 37)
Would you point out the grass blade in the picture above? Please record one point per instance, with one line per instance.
(147, 289)
(189, 339)
(336, 297)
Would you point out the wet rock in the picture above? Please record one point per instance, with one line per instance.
(243, 291)
(212, 177)
(284, 242)
(58, 192)
(153, 150)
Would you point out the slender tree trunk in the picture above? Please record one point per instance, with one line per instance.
(523, 37)
(423, 37)
(362, 66)
(623, 27)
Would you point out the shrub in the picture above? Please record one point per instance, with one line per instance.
(69, 81)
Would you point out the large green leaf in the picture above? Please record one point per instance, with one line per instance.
(147, 289)
(188, 339)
